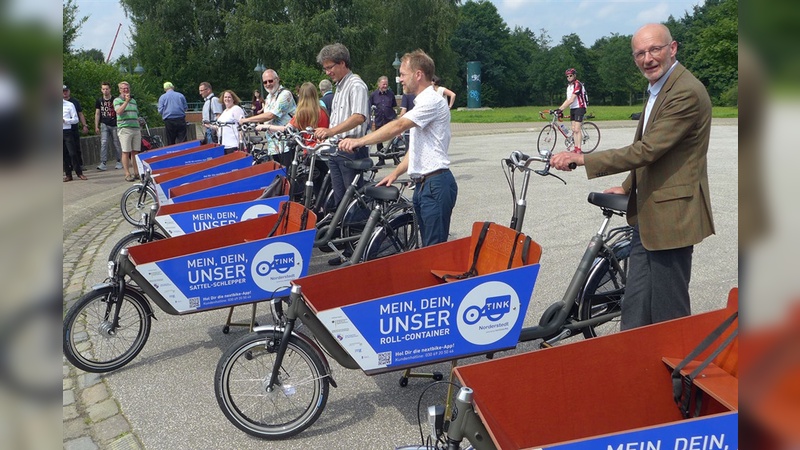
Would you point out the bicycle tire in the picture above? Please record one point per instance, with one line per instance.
(547, 139)
(590, 137)
(354, 220)
(603, 292)
(401, 236)
(88, 343)
(132, 205)
(293, 406)
(134, 238)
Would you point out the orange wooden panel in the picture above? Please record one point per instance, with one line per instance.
(224, 178)
(585, 388)
(236, 233)
(383, 277)
(495, 252)
(712, 380)
(210, 202)
(197, 167)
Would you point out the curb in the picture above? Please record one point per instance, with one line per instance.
(92, 418)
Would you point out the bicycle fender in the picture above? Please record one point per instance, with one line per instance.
(308, 341)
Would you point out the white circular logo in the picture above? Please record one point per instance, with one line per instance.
(257, 211)
(488, 312)
(275, 265)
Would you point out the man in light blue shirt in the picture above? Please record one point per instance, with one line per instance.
(172, 106)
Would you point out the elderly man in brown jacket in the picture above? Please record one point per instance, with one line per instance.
(669, 203)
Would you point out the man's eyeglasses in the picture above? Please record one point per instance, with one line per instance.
(654, 51)
(268, 81)
(328, 68)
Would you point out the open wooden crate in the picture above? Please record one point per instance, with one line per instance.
(398, 312)
(613, 392)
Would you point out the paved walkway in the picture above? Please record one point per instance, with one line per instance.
(91, 416)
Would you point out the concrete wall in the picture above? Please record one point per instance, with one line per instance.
(90, 145)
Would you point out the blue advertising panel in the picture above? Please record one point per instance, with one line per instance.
(259, 181)
(243, 273)
(163, 188)
(144, 156)
(185, 160)
(206, 218)
(717, 432)
(444, 322)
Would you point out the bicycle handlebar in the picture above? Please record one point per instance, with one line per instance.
(552, 112)
(521, 161)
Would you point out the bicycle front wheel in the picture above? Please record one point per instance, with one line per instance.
(602, 296)
(295, 402)
(135, 202)
(547, 139)
(92, 342)
(590, 137)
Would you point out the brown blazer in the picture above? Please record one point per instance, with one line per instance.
(668, 180)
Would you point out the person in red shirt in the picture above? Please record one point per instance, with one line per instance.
(576, 101)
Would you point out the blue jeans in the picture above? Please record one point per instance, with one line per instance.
(107, 131)
(341, 176)
(434, 200)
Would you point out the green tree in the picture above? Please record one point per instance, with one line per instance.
(91, 54)
(617, 74)
(72, 24)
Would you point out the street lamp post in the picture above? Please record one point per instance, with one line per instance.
(396, 65)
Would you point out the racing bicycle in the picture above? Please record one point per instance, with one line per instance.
(590, 134)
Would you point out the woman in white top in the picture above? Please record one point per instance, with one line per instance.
(448, 95)
(228, 130)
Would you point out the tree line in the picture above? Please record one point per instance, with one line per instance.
(189, 41)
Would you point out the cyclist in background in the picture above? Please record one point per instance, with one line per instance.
(576, 101)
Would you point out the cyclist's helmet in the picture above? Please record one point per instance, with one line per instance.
(570, 71)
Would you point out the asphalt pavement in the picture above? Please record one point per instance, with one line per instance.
(164, 399)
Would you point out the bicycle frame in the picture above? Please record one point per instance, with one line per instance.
(557, 321)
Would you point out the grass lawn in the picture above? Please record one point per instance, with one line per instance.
(531, 114)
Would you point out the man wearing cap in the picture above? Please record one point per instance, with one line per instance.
(576, 101)
(172, 106)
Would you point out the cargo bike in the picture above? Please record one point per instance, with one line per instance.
(274, 383)
(237, 264)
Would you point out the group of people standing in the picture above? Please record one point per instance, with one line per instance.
(669, 203)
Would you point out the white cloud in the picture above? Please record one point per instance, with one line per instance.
(655, 13)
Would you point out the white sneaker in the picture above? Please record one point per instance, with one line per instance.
(102, 166)
(118, 166)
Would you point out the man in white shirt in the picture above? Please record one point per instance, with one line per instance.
(71, 152)
(426, 161)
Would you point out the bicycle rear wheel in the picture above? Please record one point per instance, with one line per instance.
(590, 137)
(603, 294)
(134, 203)
(402, 235)
(297, 399)
(547, 139)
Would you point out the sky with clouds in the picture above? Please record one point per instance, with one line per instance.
(589, 19)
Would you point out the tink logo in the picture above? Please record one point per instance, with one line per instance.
(257, 211)
(275, 265)
(488, 312)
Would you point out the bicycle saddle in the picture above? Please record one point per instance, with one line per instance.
(384, 193)
(616, 202)
(360, 165)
